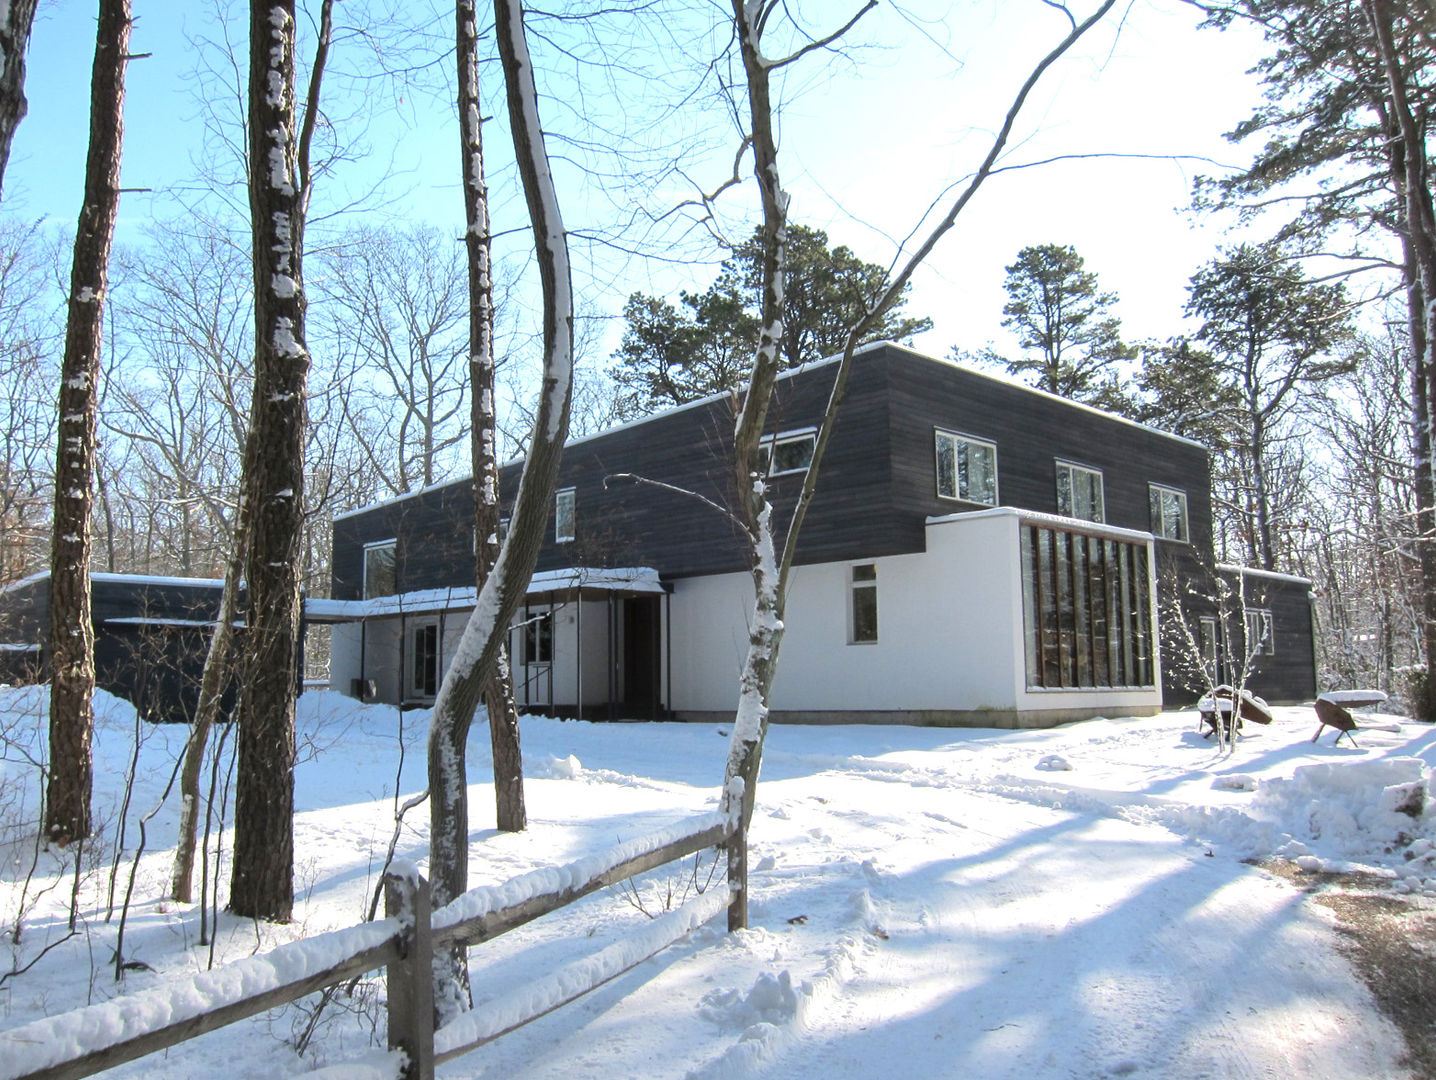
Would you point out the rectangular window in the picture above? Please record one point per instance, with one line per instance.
(1079, 492)
(1211, 648)
(379, 569)
(863, 604)
(424, 659)
(1259, 633)
(538, 639)
(565, 515)
(966, 468)
(1087, 610)
(1169, 512)
(787, 452)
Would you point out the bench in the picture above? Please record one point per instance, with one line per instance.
(1332, 710)
(1216, 711)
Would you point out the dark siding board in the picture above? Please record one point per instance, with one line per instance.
(156, 667)
(876, 490)
(1289, 674)
(1032, 431)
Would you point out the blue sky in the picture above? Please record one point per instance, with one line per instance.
(869, 140)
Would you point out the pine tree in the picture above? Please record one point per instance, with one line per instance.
(671, 355)
(1064, 322)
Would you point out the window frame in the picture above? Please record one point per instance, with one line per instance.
(1265, 627)
(536, 640)
(416, 689)
(562, 495)
(375, 545)
(1159, 524)
(939, 434)
(1073, 467)
(768, 450)
(867, 586)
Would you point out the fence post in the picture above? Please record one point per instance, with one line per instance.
(411, 980)
(737, 846)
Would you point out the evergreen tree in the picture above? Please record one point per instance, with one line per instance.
(1270, 330)
(674, 354)
(1064, 322)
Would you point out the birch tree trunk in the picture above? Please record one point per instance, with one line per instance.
(271, 519)
(769, 569)
(16, 18)
(72, 640)
(214, 680)
(481, 646)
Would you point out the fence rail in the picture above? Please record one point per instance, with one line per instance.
(90, 1040)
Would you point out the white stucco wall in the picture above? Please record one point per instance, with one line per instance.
(344, 656)
(949, 631)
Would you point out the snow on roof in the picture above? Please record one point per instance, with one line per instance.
(638, 579)
(137, 579)
(872, 346)
(1052, 521)
(1252, 571)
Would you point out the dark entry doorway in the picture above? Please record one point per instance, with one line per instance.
(642, 654)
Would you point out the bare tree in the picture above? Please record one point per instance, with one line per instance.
(72, 641)
(16, 18)
(29, 329)
(272, 518)
(483, 640)
(499, 694)
(772, 563)
(398, 297)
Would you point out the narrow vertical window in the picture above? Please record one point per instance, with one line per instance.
(380, 577)
(538, 639)
(1079, 492)
(1211, 648)
(1259, 632)
(424, 659)
(863, 605)
(565, 513)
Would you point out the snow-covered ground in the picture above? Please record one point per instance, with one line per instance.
(925, 902)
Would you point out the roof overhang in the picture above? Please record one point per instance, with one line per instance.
(549, 586)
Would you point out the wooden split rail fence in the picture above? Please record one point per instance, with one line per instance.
(90, 1040)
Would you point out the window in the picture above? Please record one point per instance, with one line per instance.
(1259, 632)
(966, 468)
(424, 659)
(1087, 610)
(863, 604)
(537, 646)
(788, 452)
(379, 572)
(565, 513)
(1079, 492)
(1211, 647)
(1169, 512)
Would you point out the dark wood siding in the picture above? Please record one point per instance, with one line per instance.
(876, 492)
(1289, 673)
(143, 651)
(1032, 431)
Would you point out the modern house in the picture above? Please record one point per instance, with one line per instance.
(978, 553)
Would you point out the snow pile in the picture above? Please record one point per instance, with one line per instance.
(1349, 810)
(772, 999)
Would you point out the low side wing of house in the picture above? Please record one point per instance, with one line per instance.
(978, 553)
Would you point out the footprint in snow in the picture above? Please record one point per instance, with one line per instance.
(1055, 763)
